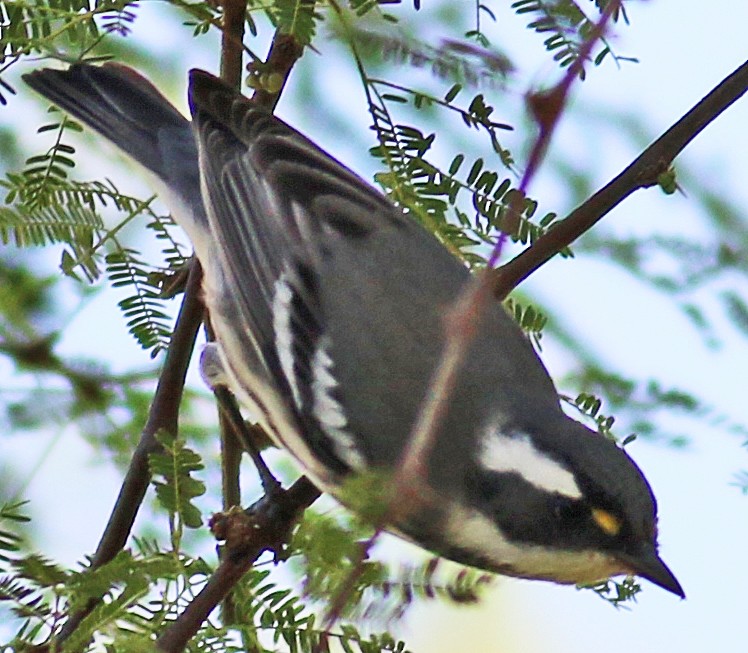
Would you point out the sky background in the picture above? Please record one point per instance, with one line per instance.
(684, 49)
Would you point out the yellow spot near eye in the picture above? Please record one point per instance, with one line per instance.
(608, 523)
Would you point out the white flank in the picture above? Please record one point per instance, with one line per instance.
(283, 334)
(501, 452)
(211, 366)
(327, 409)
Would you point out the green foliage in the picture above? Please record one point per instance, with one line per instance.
(431, 194)
(44, 207)
(435, 196)
(10, 541)
(529, 318)
(741, 481)
(566, 28)
(325, 553)
(144, 310)
(465, 201)
(49, 26)
(177, 487)
(618, 594)
(204, 16)
(147, 587)
(428, 581)
(643, 400)
(296, 17)
(455, 61)
(331, 554)
(589, 405)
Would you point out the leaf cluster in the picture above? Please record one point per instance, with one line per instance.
(466, 202)
(141, 590)
(566, 28)
(51, 26)
(434, 195)
(172, 469)
(460, 62)
(43, 207)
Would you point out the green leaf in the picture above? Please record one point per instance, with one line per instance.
(452, 92)
(172, 471)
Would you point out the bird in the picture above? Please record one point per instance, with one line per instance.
(328, 304)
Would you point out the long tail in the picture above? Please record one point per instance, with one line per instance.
(125, 108)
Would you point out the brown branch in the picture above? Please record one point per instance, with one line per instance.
(265, 526)
(232, 52)
(641, 173)
(163, 415)
(460, 324)
(463, 317)
(232, 39)
(284, 52)
(547, 108)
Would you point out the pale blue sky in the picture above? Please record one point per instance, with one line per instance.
(684, 50)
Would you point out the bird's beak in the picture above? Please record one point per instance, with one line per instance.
(648, 564)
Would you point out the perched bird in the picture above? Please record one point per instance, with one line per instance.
(328, 302)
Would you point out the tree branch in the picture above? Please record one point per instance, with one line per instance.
(284, 52)
(163, 415)
(267, 524)
(461, 321)
(232, 58)
(641, 173)
(232, 38)
(264, 526)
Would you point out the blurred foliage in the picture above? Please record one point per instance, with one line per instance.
(434, 87)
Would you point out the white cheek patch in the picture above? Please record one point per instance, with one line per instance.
(500, 452)
(284, 335)
(327, 409)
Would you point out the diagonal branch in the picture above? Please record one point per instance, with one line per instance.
(461, 320)
(163, 415)
(264, 526)
(284, 52)
(641, 173)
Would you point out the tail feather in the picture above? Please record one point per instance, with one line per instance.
(125, 108)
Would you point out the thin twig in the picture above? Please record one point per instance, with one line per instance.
(461, 321)
(546, 108)
(248, 439)
(641, 173)
(163, 415)
(267, 526)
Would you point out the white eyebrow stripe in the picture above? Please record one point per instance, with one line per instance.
(502, 452)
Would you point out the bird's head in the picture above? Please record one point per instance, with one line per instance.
(563, 504)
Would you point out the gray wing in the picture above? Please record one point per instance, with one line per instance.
(342, 293)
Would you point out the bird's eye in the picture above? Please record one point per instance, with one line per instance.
(566, 509)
